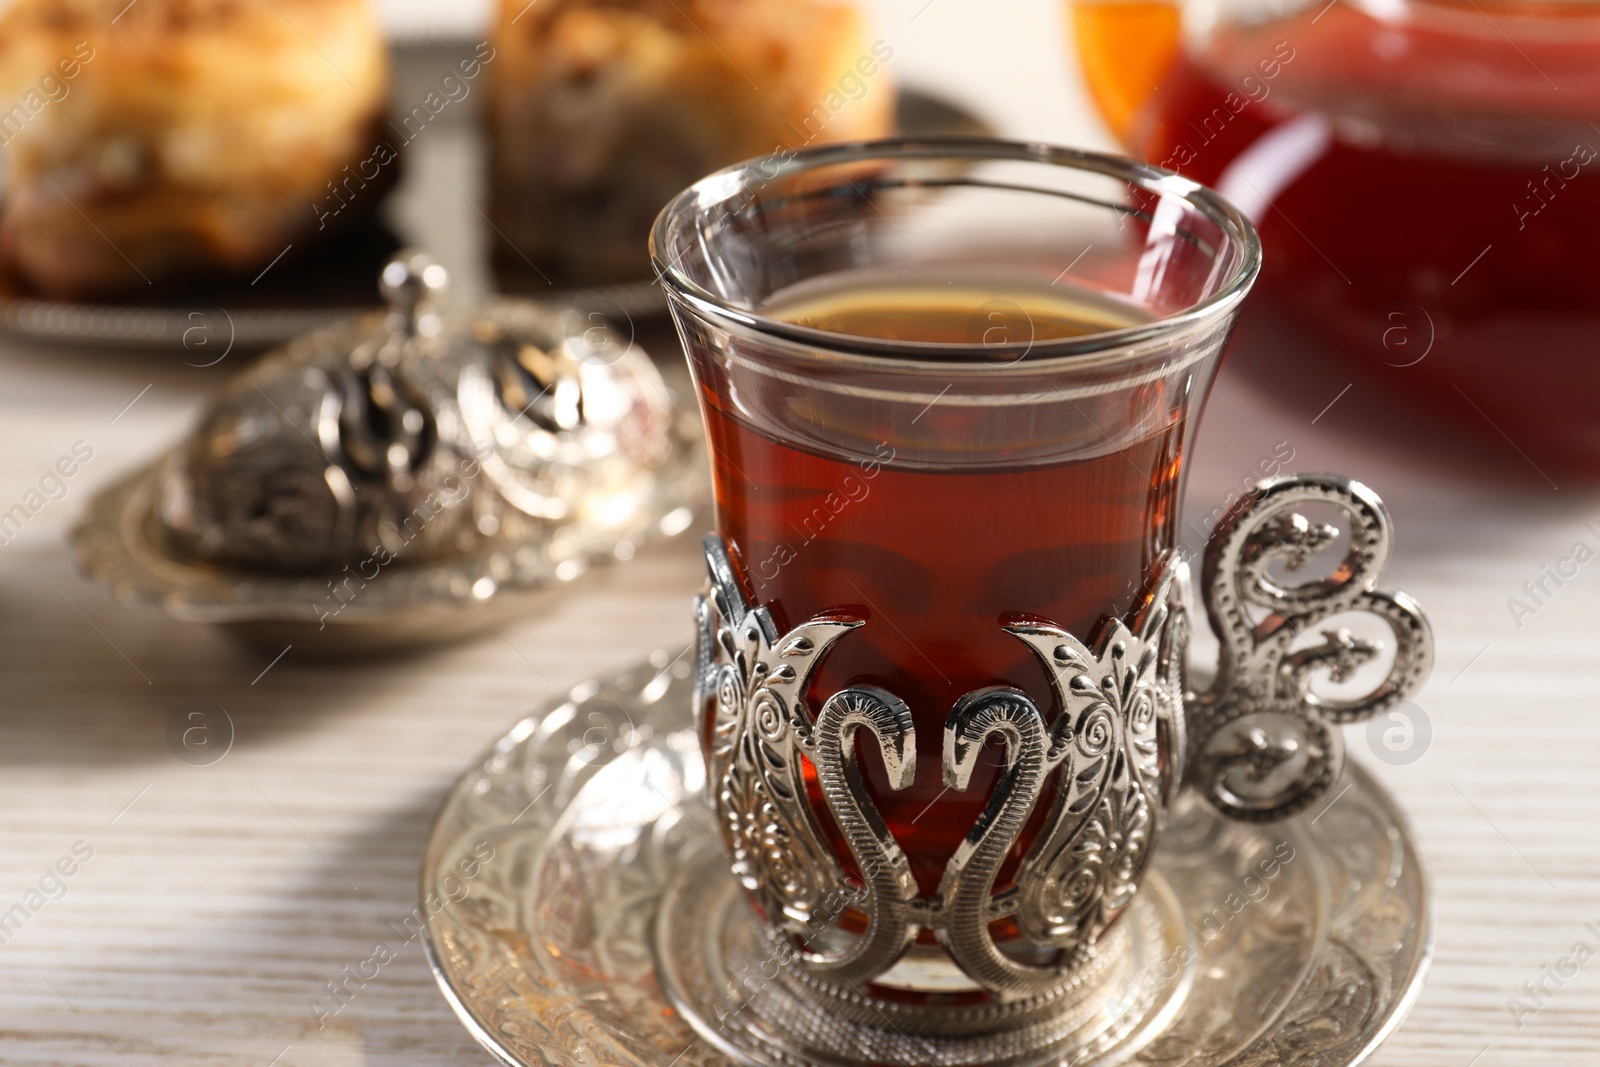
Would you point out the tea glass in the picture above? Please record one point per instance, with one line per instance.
(941, 656)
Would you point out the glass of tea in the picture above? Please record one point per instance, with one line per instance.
(949, 389)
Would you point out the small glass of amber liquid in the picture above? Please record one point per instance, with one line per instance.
(945, 385)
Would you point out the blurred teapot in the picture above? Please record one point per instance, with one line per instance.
(1425, 175)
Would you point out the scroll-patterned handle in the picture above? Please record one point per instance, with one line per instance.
(1263, 744)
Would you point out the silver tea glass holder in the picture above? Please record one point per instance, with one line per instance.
(664, 891)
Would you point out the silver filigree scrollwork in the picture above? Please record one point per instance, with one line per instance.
(1263, 744)
(1103, 750)
(1085, 865)
(752, 683)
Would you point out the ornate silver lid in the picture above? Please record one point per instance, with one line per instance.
(515, 443)
(405, 433)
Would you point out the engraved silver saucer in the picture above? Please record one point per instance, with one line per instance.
(580, 912)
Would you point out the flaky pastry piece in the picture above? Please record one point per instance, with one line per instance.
(169, 138)
(601, 110)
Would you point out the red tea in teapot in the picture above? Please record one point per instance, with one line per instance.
(1426, 180)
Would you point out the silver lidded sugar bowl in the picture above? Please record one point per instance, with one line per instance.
(406, 476)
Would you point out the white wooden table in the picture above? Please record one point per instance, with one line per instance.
(220, 899)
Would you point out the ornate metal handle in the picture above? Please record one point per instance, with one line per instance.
(1262, 744)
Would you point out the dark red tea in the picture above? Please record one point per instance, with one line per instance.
(935, 560)
(1431, 197)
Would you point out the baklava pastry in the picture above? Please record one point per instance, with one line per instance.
(601, 110)
(167, 139)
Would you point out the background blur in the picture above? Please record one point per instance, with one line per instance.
(1019, 80)
(220, 899)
